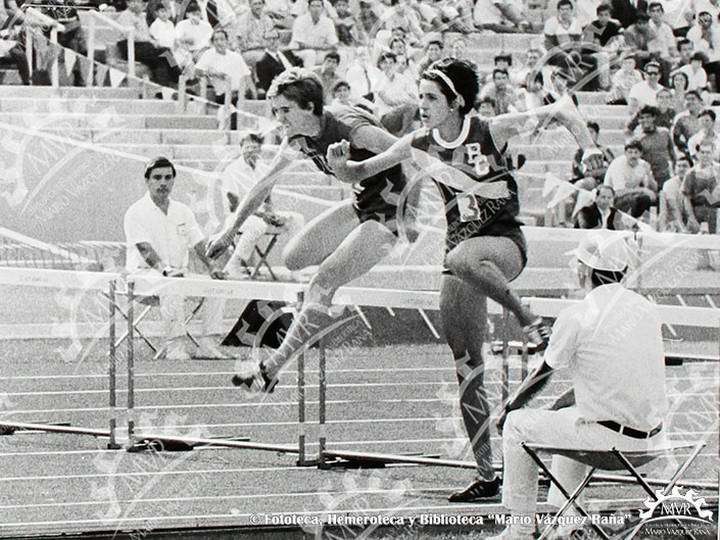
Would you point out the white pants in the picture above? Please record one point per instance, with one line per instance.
(563, 429)
(255, 228)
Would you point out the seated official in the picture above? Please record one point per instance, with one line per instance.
(611, 345)
(601, 214)
(159, 231)
(238, 178)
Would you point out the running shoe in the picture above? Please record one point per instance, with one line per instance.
(479, 489)
(255, 379)
(538, 334)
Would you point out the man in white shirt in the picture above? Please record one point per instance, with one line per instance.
(162, 29)
(563, 35)
(645, 92)
(159, 232)
(311, 32)
(662, 46)
(707, 133)
(193, 33)
(226, 69)
(632, 179)
(611, 345)
(694, 71)
(252, 28)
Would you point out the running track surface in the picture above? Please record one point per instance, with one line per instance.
(387, 399)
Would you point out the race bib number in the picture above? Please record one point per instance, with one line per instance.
(468, 207)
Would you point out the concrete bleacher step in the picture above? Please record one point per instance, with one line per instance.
(544, 153)
(68, 92)
(561, 136)
(107, 106)
(101, 121)
(497, 42)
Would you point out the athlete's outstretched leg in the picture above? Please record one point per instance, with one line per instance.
(489, 263)
(362, 249)
(464, 318)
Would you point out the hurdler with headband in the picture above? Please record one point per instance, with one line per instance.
(485, 247)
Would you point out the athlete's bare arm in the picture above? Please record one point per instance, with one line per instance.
(372, 138)
(255, 197)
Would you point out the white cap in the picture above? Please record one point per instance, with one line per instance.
(609, 252)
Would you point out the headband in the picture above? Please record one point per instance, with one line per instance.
(448, 82)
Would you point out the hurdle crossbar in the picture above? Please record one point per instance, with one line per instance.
(227, 443)
(54, 428)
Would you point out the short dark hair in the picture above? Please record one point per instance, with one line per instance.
(436, 42)
(503, 57)
(488, 100)
(692, 93)
(643, 17)
(500, 71)
(606, 186)
(708, 112)
(634, 144)
(562, 3)
(333, 55)
(606, 277)
(157, 163)
(683, 41)
(386, 55)
(699, 56)
(252, 136)
(301, 86)
(649, 109)
(601, 8)
(654, 5)
(340, 84)
(192, 7)
(594, 126)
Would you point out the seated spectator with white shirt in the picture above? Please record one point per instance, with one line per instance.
(672, 216)
(159, 232)
(705, 39)
(632, 179)
(645, 92)
(695, 72)
(610, 345)
(162, 29)
(238, 178)
(252, 28)
(313, 31)
(623, 81)
(563, 36)
(192, 34)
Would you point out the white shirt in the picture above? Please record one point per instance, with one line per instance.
(701, 45)
(611, 343)
(231, 64)
(553, 27)
(199, 34)
(696, 79)
(320, 36)
(644, 94)
(620, 175)
(238, 178)
(170, 235)
(664, 39)
(163, 33)
(693, 144)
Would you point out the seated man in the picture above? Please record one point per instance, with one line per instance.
(313, 32)
(701, 191)
(238, 178)
(611, 344)
(671, 213)
(159, 59)
(192, 35)
(601, 214)
(12, 36)
(632, 179)
(273, 62)
(159, 231)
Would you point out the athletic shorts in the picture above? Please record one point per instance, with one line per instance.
(387, 214)
(513, 233)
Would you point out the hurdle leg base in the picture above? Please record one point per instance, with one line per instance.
(114, 446)
(160, 445)
(308, 463)
(341, 463)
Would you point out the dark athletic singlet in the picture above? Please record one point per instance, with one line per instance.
(376, 197)
(475, 154)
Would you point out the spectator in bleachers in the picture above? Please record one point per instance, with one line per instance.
(665, 114)
(687, 123)
(657, 146)
(671, 208)
(519, 76)
(251, 31)
(368, 22)
(686, 49)
(623, 81)
(175, 10)
(162, 28)
(342, 95)
(645, 92)
(327, 72)
(458, 48)
(501, 90)
(405, 66)
(701, 192)
(362, 75)
(605, 35)
(503, 61)
(273, 62)
(626, 12)
(346, 24)
(679, 84)
(487, 108)
(632, 179)
(238, 178)
(13, 30)
(193, 33)
(706, 40)
(638, 37)
(393, 90)
(433, 53)
(218, 13)
(712, 7)
(695, 73)
(501, 16)
(160, 60)
(563, 38)
(706, 133)
(227, 72)
(601, 214)
(662, 46)
(400, 15)
(313, 32)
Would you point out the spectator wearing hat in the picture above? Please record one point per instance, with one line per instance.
(632, 179)
(159, 232)
(610, 343)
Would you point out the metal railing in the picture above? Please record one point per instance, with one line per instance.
(94, 18)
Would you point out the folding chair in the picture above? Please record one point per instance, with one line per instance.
(263, 252)
(608, 460)
(151, 302)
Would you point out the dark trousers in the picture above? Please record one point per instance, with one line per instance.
(159, 59)
(220, 100)
(17, 53)
(634, 204)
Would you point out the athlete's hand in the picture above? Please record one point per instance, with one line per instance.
(338, 154)
(218, 246)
